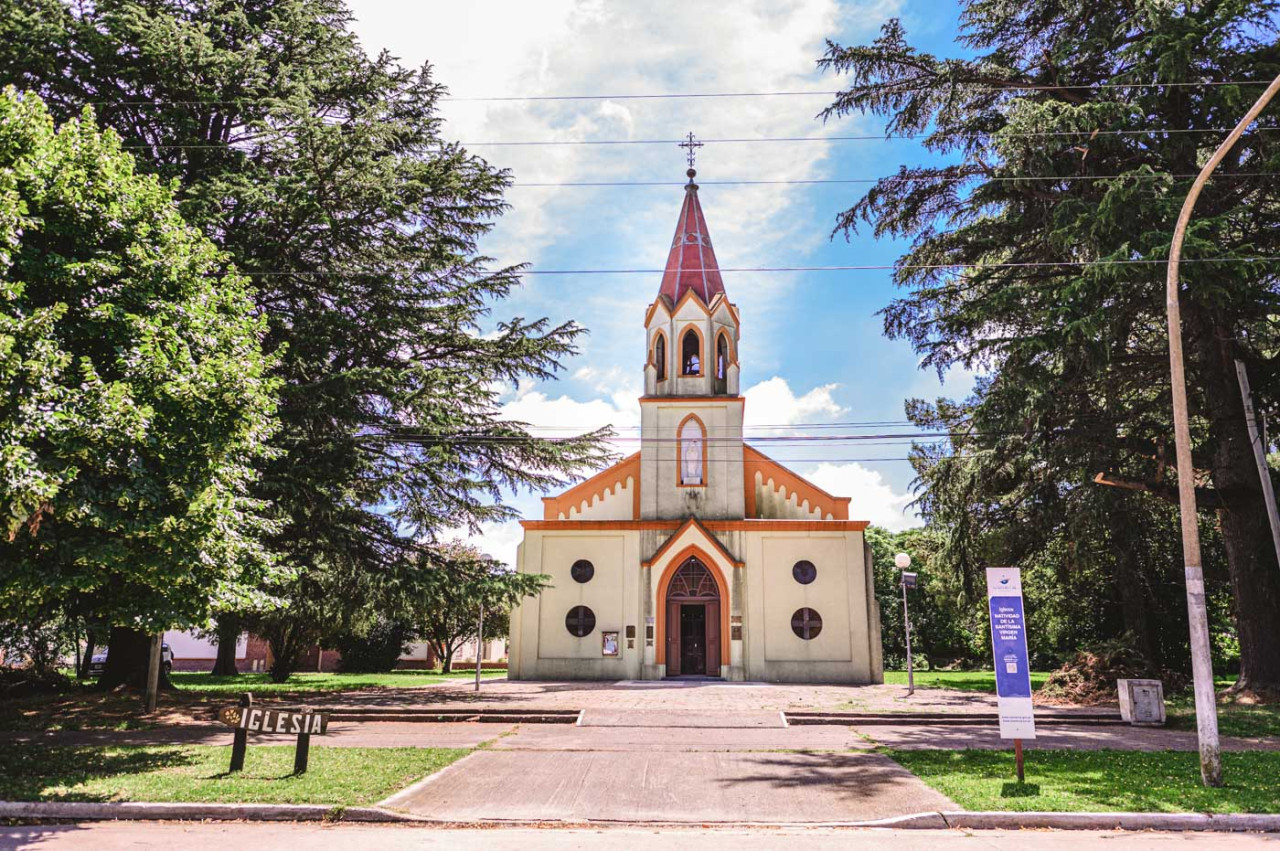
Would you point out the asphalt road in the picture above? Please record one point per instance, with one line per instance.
(111, 836)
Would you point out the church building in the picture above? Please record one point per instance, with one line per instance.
(698, 556)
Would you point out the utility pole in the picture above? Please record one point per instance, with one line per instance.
(903, 561)
(1258, 442)
(479, 645)
(1201, 665)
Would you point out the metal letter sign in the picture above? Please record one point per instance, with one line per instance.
(1009, 648)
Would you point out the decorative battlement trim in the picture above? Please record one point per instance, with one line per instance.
(608, 481)
(756, 462)
(711, 525)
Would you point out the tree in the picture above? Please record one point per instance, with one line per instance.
(135, 393)
(1036, 257)
(324, 174)
(452, 590)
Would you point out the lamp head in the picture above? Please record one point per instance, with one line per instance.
(902, 561)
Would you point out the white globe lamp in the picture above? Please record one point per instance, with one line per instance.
(902, 561)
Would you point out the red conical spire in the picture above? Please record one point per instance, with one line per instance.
(691, 265)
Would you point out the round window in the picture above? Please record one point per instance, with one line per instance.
(582, 570)
(580, 621)
(806, 623)
(804, 572)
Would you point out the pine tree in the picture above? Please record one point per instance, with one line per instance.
(325, 176)
(1074, 130)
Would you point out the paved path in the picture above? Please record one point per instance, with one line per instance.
(682, 786)
(119, 836)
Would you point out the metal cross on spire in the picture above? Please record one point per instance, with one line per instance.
(691, 145)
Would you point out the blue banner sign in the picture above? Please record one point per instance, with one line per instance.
(1009, 653)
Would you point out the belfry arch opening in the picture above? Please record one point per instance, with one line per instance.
(721, 373)
(660, 356)
(691, 353)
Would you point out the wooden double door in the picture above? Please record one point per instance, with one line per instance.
(693, 622)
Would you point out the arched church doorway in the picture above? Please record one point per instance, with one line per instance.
(693, 621)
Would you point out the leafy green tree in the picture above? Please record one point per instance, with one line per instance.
(325, 176)
(135, 394)
(1073, 131)
(450, 593)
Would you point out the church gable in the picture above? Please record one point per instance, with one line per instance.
(612, 494)
(775, 493)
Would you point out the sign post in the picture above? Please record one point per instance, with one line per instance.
(1009, 652)
(247, 718)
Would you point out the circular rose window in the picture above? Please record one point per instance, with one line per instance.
(582, 570)
(580, 621)
(804, 572)
(806, 623)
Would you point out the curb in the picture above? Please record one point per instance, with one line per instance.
(78, 811)
(88, 811)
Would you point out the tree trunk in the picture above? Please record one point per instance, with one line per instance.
(446, 661)
(128, 656)
(1130, 585)
(228, 634)
(1246, 532)
(90, 647)
(287, 645)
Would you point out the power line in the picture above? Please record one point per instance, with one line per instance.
(769, 139)
(923, 178)
(1038, 87)
(851, 268)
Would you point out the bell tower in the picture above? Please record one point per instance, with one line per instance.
(691, 411)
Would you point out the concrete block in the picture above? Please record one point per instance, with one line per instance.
(1142, 702)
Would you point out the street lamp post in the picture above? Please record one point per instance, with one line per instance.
(902, 561)
(1201, 666)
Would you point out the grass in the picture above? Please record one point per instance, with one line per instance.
(1110, 781)
(984, 681)
(1234, 719)
(203, 683)
(198, 774)
(84, 707)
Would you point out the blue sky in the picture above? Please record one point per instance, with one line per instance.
(812, 347)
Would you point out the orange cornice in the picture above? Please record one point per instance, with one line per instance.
(733, 310)
(754, 461)
(716, 399)
(711, 525)
(707, 536)
(598, 485)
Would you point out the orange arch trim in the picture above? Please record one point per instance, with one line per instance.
(665, 581)
(680, 452)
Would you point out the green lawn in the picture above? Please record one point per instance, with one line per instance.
(336, 776)
(1111, 781)
(202, 683)
(960, 680)
(1234, 719)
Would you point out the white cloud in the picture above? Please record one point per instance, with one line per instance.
(872, 497)
(773, 402)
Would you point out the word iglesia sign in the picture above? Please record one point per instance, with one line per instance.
(247, 718)
(276, 720)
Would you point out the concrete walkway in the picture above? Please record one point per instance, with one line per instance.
(675, 767)
(697, 787)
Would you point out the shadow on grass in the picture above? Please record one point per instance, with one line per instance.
(1020, 790)
(26, 772)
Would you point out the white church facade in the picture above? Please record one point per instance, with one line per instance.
(698, 556)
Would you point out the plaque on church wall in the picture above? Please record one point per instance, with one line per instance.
(609, 643)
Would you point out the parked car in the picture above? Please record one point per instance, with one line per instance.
(98, 663)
